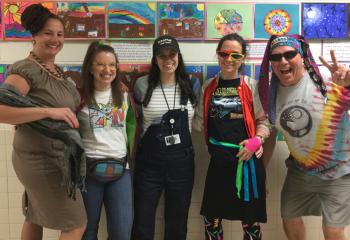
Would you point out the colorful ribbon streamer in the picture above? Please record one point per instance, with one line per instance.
(241, 172)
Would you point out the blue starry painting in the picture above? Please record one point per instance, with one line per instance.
(324, 20)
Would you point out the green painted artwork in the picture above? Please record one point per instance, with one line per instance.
(223, 19)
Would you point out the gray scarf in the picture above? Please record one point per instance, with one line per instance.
(73, 167)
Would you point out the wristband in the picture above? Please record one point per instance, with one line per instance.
(253, 144)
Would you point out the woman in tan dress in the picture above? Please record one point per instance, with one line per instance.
(34, 154)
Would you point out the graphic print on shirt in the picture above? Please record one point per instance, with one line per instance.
(296, 120)
(225, 103)
(104, 115)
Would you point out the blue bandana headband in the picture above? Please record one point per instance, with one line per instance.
(286, 41)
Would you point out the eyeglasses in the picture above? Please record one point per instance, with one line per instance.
(233, 55)
(103, 65)
(287, 55)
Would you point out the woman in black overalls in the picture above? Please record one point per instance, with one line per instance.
(165, 158)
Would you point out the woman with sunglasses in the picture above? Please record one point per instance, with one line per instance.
(235, 127)
(311, 111)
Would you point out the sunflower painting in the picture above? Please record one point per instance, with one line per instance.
(12, 18)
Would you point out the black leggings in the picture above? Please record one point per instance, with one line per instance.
(214, 231)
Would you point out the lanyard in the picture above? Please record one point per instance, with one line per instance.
(171, 120)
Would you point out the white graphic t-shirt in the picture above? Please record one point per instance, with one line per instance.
(103, 127)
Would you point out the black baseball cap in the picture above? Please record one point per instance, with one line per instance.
(165, 42)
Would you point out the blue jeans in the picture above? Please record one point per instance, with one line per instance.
(117, 199)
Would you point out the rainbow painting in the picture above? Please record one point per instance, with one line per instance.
(83, 20)
(12, 18)
(131, 20)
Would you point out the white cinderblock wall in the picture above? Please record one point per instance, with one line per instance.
(11, 217)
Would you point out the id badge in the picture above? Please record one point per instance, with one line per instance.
(172, 139)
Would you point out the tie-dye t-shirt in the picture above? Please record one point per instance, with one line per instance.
(317, 133)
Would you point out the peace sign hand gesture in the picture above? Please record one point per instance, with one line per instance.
(340, 73)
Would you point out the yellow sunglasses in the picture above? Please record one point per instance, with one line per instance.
(233, 55)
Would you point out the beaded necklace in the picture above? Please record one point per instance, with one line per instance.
(58, 73)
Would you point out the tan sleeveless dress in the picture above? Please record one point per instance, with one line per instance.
(47, 202)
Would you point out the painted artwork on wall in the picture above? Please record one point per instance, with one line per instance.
(213, 69)
(278, 19)
(181, 20)
(131, 20)
(3, 68)
(73, 72)
(196, 74)
(1, 28)
(129, 73)
(257, 68)
(13, 10)
(83, 20)
(324, 20)
(227, 18)
(348, 17)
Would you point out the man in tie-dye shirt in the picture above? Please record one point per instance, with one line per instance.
(311, 111)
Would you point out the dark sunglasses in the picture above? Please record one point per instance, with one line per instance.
(287, 55)
(233, 55)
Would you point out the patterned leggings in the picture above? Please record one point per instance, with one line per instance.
(213, 230)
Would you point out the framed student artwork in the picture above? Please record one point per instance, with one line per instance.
(12, 12)
(277, 19)
(131, 20)
(212, 70)
(182, 20)
(73, 72)
(83, 20)
(324, 20)
(225, 18)
(3, 69)
(130, 72)
(196, 75)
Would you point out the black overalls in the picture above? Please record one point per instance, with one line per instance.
(159, 167)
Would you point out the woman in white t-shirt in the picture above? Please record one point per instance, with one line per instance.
(107, 123)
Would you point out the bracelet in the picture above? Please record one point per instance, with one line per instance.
(262, 140)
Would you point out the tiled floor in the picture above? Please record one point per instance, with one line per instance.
(11, 218)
